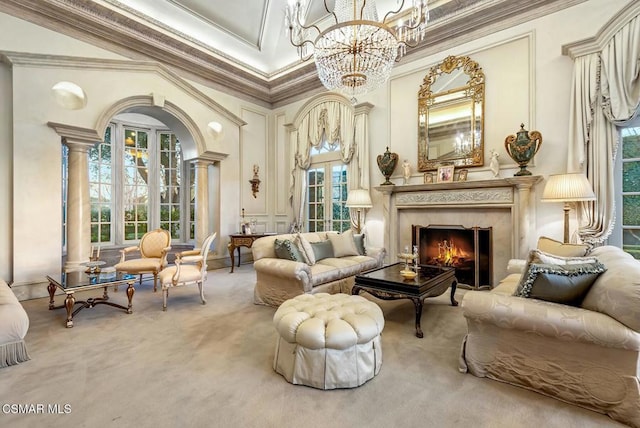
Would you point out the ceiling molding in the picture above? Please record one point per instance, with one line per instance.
(78, 63)
(605, 33)
(97, 24)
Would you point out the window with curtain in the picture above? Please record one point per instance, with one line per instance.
(138, 182)
(327, 176)
(628, 185)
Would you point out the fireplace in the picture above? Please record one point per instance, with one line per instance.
(468, 250)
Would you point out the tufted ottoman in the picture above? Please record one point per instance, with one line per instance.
(328, 341)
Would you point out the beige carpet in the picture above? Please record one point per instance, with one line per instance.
(211, 366)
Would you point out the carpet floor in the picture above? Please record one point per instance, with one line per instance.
(211, 366)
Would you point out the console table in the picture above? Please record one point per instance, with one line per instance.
(238, 240)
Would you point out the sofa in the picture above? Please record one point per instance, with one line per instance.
(587, 354)
(279, 279)
(14, 324)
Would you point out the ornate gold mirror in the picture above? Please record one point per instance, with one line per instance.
(451, 115)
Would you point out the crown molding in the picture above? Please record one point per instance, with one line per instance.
(128, 35)
(604, 35)
(79, 63)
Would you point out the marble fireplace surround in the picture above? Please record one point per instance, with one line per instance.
(504, 204)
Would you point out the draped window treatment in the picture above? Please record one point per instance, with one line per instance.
(335, 119)
(605, 94)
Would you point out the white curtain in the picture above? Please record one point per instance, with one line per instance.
(338, 122)
(605, 93)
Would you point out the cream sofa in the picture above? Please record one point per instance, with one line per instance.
(587, 355)
(278, 279)
(14, 324)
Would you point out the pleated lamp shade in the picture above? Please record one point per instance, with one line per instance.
(568, 188)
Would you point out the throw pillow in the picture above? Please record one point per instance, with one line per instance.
(285, 249)
(359, 241)
(540, 257)
(558, 248)
(566, 284)
(343, 244)
(322, 250)
(305, 249)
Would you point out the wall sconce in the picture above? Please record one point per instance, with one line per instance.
(255, 181)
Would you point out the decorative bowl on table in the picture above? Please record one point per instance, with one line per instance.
(408, 274)
(93, 267)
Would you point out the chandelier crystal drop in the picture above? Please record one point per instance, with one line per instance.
(356, 54)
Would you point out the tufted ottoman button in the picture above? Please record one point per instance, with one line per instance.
(328, 341)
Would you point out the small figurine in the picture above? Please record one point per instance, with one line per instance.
(494, 165)
(406, 171)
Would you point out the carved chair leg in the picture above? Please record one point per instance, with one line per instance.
(155, 281)
(165, 294)
(201, 292)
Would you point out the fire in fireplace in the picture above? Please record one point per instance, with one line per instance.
(468, 250)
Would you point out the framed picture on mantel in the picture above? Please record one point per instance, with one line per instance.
(445, 174)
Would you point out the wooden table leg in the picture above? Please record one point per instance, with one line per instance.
(418, 304)
(231, 249)
(130, 291)
(68, 303)
(454, 285)
(52, 292)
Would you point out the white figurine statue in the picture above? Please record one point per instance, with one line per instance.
(494, 165)
(406, 171)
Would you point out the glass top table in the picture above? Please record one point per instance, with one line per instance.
(388, 284)
(73, 281)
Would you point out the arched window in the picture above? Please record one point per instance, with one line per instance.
(139, 182)
(327, 189)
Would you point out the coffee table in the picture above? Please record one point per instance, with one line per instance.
(72, 282)
(386, 283)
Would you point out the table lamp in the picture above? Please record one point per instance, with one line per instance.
(358, 199)
(567, 188)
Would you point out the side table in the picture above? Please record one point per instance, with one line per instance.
(238, 240)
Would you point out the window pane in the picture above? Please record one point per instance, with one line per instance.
(129, 231)
(631, 177)
(631, 145)
(164, 213)
(631, 210)
(94, 233)
(105, 233)
(631, 242)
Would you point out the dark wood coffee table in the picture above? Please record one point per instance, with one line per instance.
(386, 283)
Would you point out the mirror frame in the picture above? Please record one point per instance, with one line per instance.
(473, 90)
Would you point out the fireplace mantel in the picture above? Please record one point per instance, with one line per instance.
(513, 194)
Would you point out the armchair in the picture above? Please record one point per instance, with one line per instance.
(190, 267)
(153, 248)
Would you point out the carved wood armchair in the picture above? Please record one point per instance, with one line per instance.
(153, 249)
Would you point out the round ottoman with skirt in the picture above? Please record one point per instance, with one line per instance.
(328, 341)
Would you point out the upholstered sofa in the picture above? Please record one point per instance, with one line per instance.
(279, 279)
(14, 324)
(586, 355)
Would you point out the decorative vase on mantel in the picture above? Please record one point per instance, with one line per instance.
(523, 147)
(387, 163)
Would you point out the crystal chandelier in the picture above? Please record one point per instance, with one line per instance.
(356, 54)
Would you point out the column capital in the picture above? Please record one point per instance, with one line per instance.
(76, 137)
(209, 157)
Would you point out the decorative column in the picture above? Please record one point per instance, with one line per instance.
(202, 200)
(201, 165)
(524, 225)
(79, 141)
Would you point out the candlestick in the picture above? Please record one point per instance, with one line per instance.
(98, 253)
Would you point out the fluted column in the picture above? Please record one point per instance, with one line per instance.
(78, 205)
(202, 200)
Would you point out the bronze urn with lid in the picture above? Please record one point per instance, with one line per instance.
(523, 147)
(387, 163)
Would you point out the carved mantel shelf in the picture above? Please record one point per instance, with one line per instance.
(512, 193)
